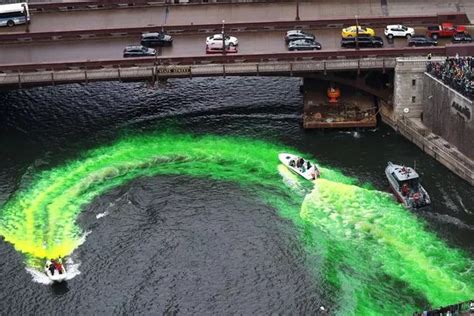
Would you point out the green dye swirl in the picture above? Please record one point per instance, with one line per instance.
(373, 256)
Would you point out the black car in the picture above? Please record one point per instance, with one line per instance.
(138, 51)
(421, 40)
(363, 41)
(304, 44)
(156, 39)
(294, 35)
(461, 37)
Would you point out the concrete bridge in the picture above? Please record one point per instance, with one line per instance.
(41, 54)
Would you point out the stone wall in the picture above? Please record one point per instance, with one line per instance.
(408, 87)
(448, 114)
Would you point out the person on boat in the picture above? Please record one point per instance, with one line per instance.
(300, 163)
(58, 265)
(416, 199)
(308, 164)
(292, 163)
(405, 189)
(50, 265)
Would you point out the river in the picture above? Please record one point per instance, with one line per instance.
(169, 200)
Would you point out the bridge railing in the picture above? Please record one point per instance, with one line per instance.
(47, 75)
(364, 58)
(456, 17)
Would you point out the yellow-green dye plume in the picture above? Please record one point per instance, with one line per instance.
(373, 256)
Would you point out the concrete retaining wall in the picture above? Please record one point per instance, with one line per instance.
(449, 114)
(433, 145)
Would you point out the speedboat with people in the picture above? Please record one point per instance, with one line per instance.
(405, 184)
(298, 165)
(55, 270)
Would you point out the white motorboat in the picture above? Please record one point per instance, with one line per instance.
(298, 165)
(404, 182)
(55, 271)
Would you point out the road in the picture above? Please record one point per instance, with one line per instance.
(183, 45)
(245, 12)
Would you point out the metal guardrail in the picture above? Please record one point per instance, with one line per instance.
(418, 20)
(44, 6)
(339, 56)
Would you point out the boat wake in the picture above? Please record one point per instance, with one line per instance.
(100, 215)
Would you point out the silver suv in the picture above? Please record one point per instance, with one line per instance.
(138, 51)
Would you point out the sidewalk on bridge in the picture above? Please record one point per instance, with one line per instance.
(198, 14)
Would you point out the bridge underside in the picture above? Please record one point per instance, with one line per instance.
(356, 105)
(372, 76)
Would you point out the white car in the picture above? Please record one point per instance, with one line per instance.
(217, 38)
(397, 30)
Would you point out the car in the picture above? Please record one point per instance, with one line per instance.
(216, 48)
(293, 35)
(156, 39)
(461, 37)
(444, 30)
(353, 31)
(138, 51)
(229, 40)
(421, 40)
(304, 44)
(398, 30)
(363, 41)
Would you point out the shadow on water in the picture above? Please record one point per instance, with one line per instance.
(59, 289)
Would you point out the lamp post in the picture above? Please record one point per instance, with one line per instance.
(167, 12)
(223, 37)
(357, 33)
(25, 14)
(297, 18)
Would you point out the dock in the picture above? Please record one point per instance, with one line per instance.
(353, 109)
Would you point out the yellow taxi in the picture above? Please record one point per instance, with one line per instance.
(351, 31)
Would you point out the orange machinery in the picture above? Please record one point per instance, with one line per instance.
(333, 94)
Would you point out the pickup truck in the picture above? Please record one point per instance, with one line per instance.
(444, 30)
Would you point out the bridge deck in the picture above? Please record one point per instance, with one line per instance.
(244, 12)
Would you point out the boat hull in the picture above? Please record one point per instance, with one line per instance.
(309, 174)
(56, 277)
(411, 200)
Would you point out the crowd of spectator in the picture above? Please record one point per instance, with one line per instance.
(457, 72)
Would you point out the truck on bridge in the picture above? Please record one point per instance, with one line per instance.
(444, 30)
